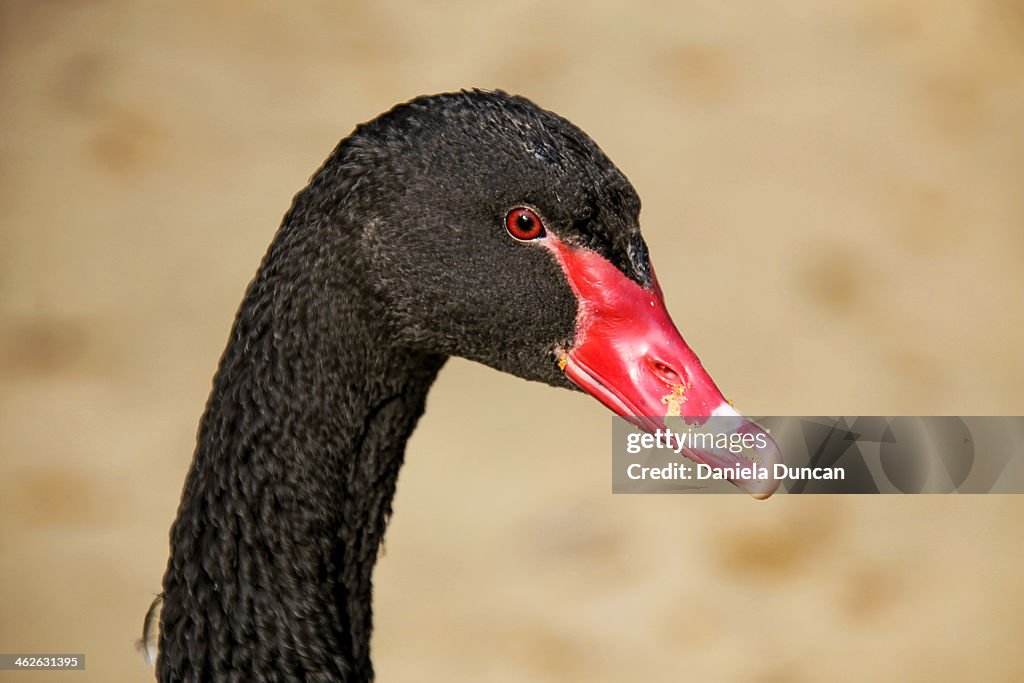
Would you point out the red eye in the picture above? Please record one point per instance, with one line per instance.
(524, 224)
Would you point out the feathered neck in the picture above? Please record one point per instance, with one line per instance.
(290, 489)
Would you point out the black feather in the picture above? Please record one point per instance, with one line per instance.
(393, 258)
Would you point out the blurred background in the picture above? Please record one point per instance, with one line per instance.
(848, 175)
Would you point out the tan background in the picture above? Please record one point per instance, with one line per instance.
(843, 181)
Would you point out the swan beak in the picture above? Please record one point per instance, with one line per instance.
(629, 355)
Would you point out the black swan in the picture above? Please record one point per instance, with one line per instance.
(473, 224)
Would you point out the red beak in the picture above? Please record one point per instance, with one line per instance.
(629, 355)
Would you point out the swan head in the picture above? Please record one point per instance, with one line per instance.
(497, 231)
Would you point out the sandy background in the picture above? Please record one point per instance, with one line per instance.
(848, 175)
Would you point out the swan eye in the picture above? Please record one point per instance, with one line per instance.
(524, 224)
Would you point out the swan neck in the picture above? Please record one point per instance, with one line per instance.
(290, 489)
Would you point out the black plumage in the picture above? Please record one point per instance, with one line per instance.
(393, 258)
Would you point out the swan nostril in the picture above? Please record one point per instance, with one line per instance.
(665, 372)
